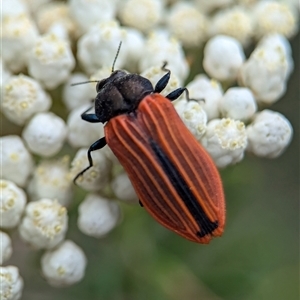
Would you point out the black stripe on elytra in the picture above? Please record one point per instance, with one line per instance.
(190, 201)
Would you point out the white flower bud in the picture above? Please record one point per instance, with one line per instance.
(110, 155)
(12, 204)
(16, 161)
(97, 176)
(274, 17)
(98, 47)
(45, 134)
(11, 283)
(209, 90)
(212, 5)
(18, 36)
(236, 22)
(51, 61)
(238, 103)
(225, 140)
(154, 74)
(76, 96)
(88, 13)
(187, 24)
(223, 56)
(141, 14)
(265, 73)
(13, 8)
(98, 216)
(5, 247)
(269, 134)
(193, 116)
(23, 97)
(45, 224)
(160, 49)
(51, 179)
(80, 132)
(64, 265)
(123, 189)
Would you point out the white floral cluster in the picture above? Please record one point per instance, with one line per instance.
(226, 109)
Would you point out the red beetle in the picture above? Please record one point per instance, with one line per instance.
(175, 179)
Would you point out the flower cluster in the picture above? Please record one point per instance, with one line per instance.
(227, 109)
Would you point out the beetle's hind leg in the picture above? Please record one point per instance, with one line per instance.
(162, 83)
(177, 93)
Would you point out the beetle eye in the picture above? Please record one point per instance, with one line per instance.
(100, 84)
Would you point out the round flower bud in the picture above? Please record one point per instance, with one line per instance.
(51, 179)
(64, 265)
(209, 90)
(238, 103)
(16, 161)
(98, 46)
(51, 61)
(98, 216)
(265, 73)
(159, 49)
(274, 17)
(269, 134)
(18, 36)
(95, 178)
(223, 56)
(5, 247)
(45, 134)
(225, 140)
(23, 97)
(193, 116)
(11, 283)
(81, 94)
(80, 132)
(185, 18)
(12, 204)
(45, 224)
(123, 189)
(141, 14)
(88, 13)
(13, 8)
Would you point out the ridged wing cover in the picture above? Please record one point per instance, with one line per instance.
(173, 176)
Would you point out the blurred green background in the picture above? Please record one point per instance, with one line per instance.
(257, 257)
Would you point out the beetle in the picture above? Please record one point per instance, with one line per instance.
(175, 179)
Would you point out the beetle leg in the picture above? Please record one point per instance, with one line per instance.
(177, 93)
(95, 146)
(141, 204)
(162, 83)
(92, 118)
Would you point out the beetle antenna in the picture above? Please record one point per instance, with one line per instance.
(113, 66)
(78, 83)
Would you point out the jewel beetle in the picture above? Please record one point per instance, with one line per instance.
(175, 179)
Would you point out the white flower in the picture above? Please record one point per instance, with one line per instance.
(274, 17)
(11, 283)
(154, 74)
(223, 56)
(141, 14)
(187, 24)
(45, 224)
(159, 49)
(80, 132)
(51, 60)
(12, 204)
(123, 189)
(97, 215)
(225, 140)
(5, 248)
(236, 22)
(265, 73)
(45, 134)
(269, 134)
(97, 176)
(193, 116)
(98, 47)
(87, 13)
(64, 265)
(22, 98)
(16, 161)
(209, 90)
(238, 103)
(13, 8)
(51, 179)
(212, 5)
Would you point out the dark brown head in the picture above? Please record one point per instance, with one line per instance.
(120, 93)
